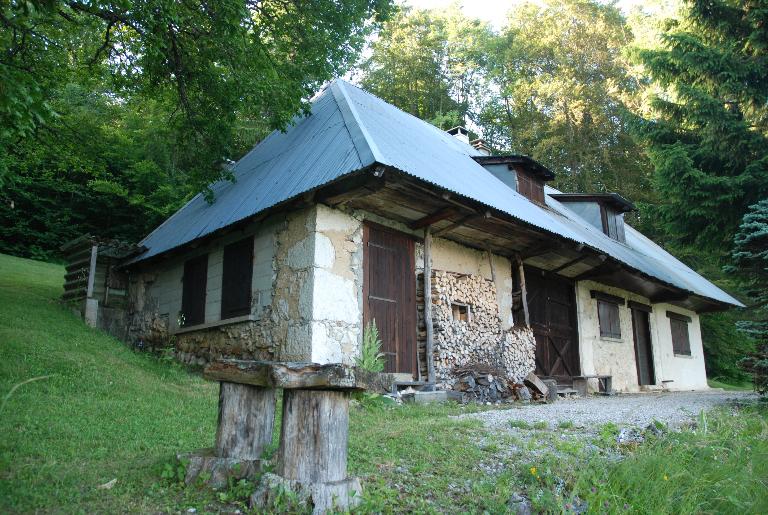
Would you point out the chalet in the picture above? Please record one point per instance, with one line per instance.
(360, 212)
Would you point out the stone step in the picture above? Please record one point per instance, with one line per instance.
(435, 396)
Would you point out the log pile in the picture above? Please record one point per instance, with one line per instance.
(478, 336)
(481, 383)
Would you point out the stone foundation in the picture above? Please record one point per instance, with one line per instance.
(468, 329)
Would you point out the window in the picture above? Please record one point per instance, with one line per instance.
(608, 314)
(460, 312)
(236, 279)
(193, 291)
(681, 343)
(530, 187)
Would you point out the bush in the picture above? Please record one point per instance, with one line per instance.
(757, 365)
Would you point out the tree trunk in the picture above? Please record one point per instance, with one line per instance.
(246, 420)
(314, 434)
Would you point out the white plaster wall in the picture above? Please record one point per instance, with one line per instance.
(165, 291)
(684, 372)
(337, 314)
(616, 357)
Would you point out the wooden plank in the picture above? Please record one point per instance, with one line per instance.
(289, 375)
(428, 305)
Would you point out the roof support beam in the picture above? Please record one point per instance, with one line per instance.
(433, 218)
(568, 264)
(670, 296)
(463, 221)
(354, 187)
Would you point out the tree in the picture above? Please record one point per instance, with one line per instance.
(427, 63)
(563, 86)
(750, 254)
(707, 135)
(217, 62)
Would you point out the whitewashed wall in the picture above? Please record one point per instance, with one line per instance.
(616, 356)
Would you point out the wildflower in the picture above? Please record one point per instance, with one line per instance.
(626, 506)
(606, 504)
(666, 478)
(567, 506)
(533, 471)
(594, 490)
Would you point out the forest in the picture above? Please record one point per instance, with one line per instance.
(114, 114)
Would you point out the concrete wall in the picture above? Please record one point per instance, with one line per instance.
(616, 356)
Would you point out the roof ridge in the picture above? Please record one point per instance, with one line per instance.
(367, 150)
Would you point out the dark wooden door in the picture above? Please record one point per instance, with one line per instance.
(641, 330)
(390, 294)
(552, 308)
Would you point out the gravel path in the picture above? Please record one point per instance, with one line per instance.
(638, 410)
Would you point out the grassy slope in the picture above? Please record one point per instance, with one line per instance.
(105, 412)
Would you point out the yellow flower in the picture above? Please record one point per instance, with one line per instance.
(533, 471)
(666, 478)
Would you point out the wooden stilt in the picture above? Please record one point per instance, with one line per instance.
(246, 420)
(523, 291)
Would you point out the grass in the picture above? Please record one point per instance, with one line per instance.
(730, 386)
(100, 411)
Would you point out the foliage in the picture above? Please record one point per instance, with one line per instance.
(371, 358)
(750, 255)
(724, 346)
(708, 131)
(427, 63)
(563, 89)
(214, 64)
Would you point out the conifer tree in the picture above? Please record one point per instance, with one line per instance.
(709, 134)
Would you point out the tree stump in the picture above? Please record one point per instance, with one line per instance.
(246, 421)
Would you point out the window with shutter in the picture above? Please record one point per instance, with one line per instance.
(608, 317)
(236, 279)
(681, 343)
(193, 291)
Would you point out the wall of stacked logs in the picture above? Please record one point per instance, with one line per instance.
(475, 337)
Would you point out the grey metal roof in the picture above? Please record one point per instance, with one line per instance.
(349, 129)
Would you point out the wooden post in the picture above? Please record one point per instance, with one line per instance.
(246, 419)
(92, 271)
(523, 291)
(428, 305)
(314, 434)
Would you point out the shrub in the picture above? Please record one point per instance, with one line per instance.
(371, 358)
(757, 365)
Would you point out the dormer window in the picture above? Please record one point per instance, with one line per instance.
(521, 173)
(604, 210)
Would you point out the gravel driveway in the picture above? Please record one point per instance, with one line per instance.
(638, 410)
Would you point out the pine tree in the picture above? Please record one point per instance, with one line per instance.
(709, 134)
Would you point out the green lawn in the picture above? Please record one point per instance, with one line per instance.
(100, 411)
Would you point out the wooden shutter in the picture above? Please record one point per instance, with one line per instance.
(608, 316)
(193, 293)
(236, 279)
(681, 343)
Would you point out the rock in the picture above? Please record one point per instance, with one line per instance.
(628, 436)
(520, 505)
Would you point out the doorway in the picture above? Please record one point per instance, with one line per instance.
(641, 330)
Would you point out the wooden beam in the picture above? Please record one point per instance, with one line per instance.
(567, 265)
(289, 375)
(428, 305)
(349, 189)
(463, 221)
(603, 269)
(523, 291)
(92, 271)
(433, 218)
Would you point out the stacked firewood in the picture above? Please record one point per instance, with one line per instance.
(481, 383)
(475, 336)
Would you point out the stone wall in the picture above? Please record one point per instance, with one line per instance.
(475, 336)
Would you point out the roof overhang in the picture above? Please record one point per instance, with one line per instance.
(613, 200)
(512, 161)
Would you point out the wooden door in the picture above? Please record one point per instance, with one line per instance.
(552, 308)
(389, 289)
(641, 330)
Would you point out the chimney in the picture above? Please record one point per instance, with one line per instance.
(481, 146)
(460, 133)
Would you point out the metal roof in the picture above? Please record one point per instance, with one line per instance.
(349, 129)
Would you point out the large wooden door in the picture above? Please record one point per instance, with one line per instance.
(390, 294)
(552, 307)
(641, 330)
